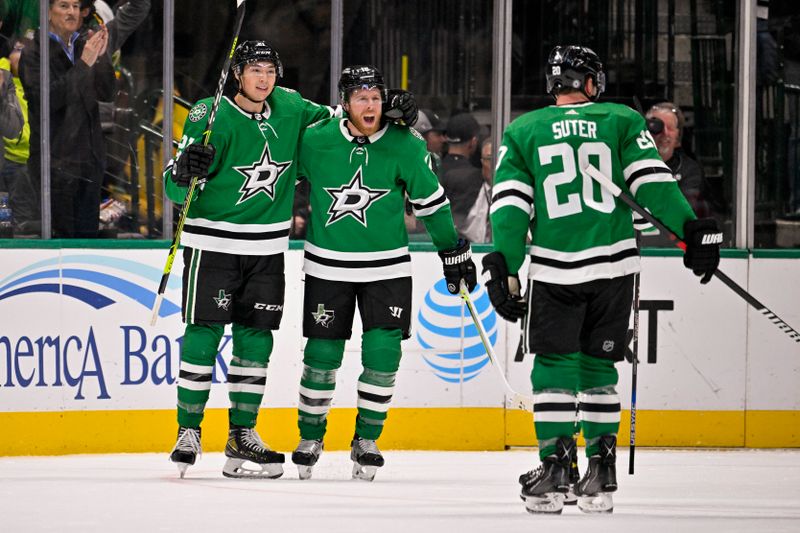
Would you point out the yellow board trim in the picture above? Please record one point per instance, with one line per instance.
(59, 433)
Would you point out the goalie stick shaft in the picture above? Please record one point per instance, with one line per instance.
(519, 401)
(176, 239)
(735, 287)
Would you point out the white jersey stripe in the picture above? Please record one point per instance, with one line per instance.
(554, 397)
(650, 178)
(196, 369)
(597, 251)
(600, 418)
(511, 201)
(235, 246)
(513, 185)
(555, 416)
(400, 270)
(316, 394)
(246, 387)
(375, 389)
(314, 409)
(573, 276)
(355, 256)
(373, 406)
(194, 385)
(247, 371)
(644, 163)
(238, 228)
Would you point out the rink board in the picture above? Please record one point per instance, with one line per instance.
(81, 369)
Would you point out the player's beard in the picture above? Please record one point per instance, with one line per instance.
(365, 128)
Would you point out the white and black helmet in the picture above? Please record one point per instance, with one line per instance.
(568, 66)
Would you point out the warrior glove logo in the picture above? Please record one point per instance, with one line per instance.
(711, 238)
(352, 200)
(262, 176)
(396, 311)
(223, 300)
(323, 316)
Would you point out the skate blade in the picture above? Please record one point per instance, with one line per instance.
(549, 503)
(601, 502)
(236, 468)
(304, 472)
(182, 467)
(365, 473)
(570, 498)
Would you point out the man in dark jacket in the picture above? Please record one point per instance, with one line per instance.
(462, 181)
(80, 75)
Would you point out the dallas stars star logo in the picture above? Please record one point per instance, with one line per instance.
(323, 316)
(223, 300)
(261, 176)
(352, 200)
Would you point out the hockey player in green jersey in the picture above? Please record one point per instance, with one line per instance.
(582, 263)
(359, 170)
(234, 236)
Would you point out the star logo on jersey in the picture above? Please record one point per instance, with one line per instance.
(262, 176)
(323, 316)
(223, 300)
(352, 200)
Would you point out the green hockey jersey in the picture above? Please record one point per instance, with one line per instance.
(579, 231)
(358, 185)
(246, 206)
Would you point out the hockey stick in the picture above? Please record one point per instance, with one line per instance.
(634, 364)
(518, 401)
(746, 296)
(173, 248)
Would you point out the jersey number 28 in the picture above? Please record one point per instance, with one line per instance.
(574, 202)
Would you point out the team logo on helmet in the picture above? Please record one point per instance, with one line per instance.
(198, 112)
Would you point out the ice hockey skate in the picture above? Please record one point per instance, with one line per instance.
(544, 489)
(595, 489)
(244, 448)
(306, 455)
(366, 458)
(186, 449)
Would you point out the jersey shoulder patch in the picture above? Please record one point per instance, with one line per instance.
(198, 112)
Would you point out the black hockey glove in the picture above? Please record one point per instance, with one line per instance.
(457, 265)
(503, 288)
(195, 160)
(702, 238)
(400, 107)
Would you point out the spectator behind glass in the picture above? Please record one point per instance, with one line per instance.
(80, 75)
(478, 228)
(461, 180)
(432, 129)
(665, 122)
(23, 198)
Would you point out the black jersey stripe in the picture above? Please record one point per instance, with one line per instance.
(613, 258)
(436, 201)
(552, 406)
(192, 376)
(646, 172)
(339, 263)
(236, 235)
(253, 380)
(512, 192)
(377, 398)
(600, 407)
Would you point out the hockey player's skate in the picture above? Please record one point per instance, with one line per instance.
(186, 449)
(595, 489)
(245, 446)
(366, 458)
(306, 455)
(544, 488)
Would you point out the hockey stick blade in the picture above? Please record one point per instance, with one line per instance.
(176, 239)
(515, 399)
(735, 287)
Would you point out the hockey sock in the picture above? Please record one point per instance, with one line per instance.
(599, 402)
(198, 355)
(321, 358)
(247, 373)
(555, 382)
(380, 356)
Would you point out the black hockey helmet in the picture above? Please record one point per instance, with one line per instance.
(253, 52)
(568, 66)
(360, 77)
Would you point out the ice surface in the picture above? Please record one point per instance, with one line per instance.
(416, 492)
